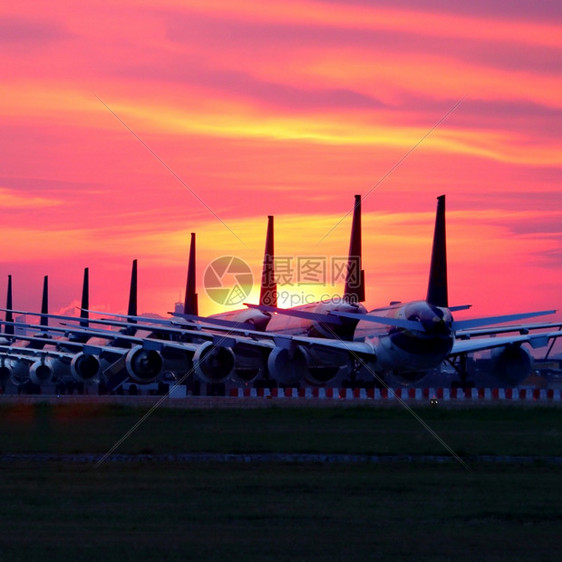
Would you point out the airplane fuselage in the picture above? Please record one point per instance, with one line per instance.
(290, 324)
(409, 353)
(255, 318)
(293, 325)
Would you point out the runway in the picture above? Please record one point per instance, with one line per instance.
(275, 458)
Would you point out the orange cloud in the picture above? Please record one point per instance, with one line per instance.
(286, 109)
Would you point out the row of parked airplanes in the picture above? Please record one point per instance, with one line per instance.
(307, 344)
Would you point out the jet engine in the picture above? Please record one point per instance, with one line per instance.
(250, 362)
(41, 370)
(5, 370)
(511, 364)
(142, 365)
(213, 363)
(18, 370)
(288, 366)
(84, 367)
(316, 366)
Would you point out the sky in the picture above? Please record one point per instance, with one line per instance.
(127, 125)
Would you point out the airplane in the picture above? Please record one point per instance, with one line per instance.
(81, 355)
(123, 354)
(410, 338)
(249, 360)
(41, 359)
(258, 316)
(414, 338)
(245, 360)
(404, 339)
(302, 317)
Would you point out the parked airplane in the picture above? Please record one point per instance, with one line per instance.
(308, 318)
(407, 340)
(45, 358)
(404, 339)
(42, 358)
(244, 359)
(413, 338)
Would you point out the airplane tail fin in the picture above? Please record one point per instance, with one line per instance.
(9, 329)
(191, 305)
(355, 276)
(45, 302)
(132, 309)
(85, 299)
(437, 289)
(268, 292)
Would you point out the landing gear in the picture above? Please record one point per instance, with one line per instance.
(216, 389)
(460, 364)
(363, 375)
(163, 388)
(29, 388)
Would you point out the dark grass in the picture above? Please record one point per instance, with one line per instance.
(274, 511)
(55, 511)
(356, 430)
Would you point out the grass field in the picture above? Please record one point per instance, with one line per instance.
(95, 428)
(276, 511)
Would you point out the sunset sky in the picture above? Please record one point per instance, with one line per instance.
(286, 109)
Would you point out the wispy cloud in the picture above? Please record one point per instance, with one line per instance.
(16, 201)
(24, 33)
(287, 109)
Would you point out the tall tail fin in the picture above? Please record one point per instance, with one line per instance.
(268, 292)
(132, 309)
(355, 276)
(45, 302)
(437, 289)
(9, 329)
(191, 303)
(84, 314)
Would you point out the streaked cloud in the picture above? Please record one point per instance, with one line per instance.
(287, 109)
(14, 201)
(25, 33)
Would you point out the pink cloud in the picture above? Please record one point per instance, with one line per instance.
(283, 109)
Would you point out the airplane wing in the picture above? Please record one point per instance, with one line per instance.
(224, 338)
(111, 335)
(480, 344)
(333, 316)
(30, 353)
(354, 347)
(459, 325)
(190, 321)
(466, 342)
(521, 328)
(267, 340)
